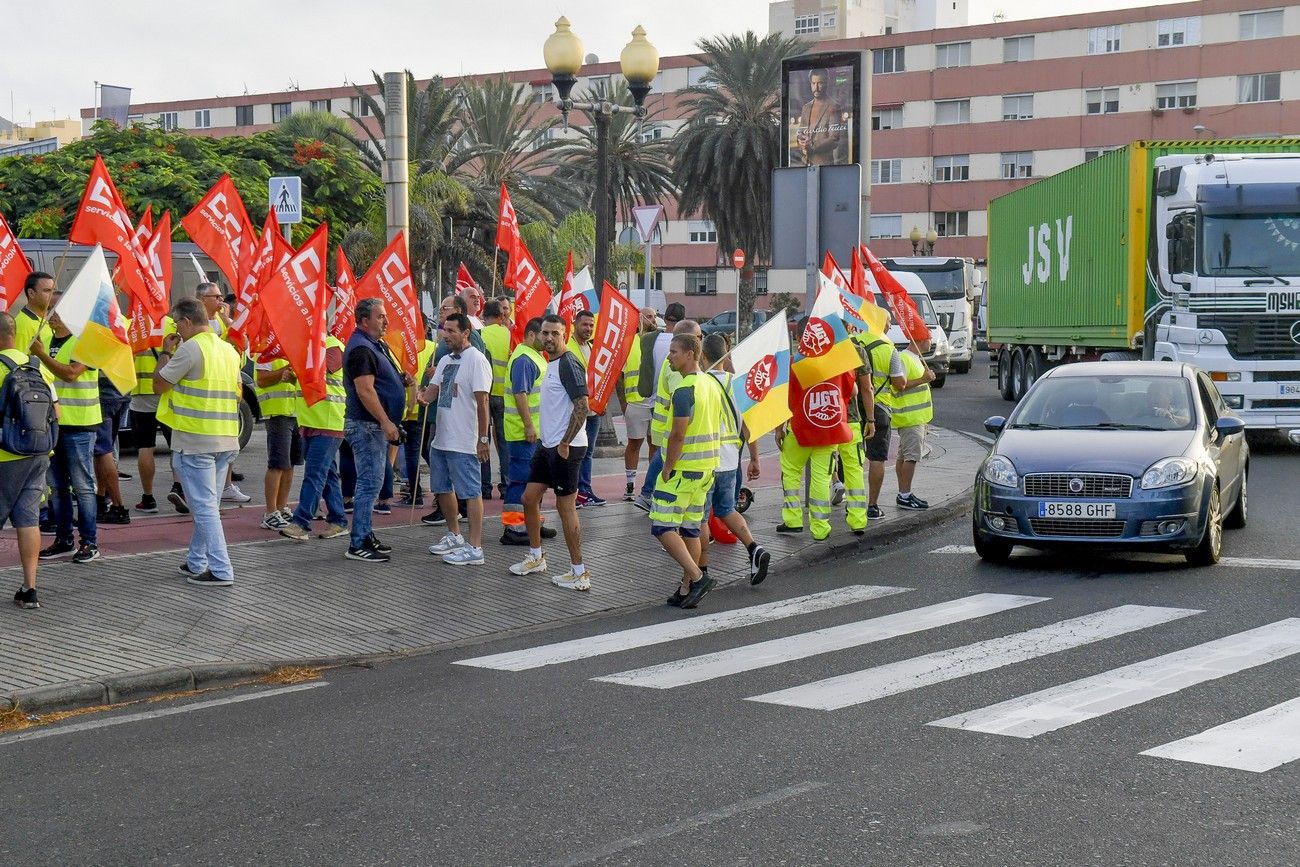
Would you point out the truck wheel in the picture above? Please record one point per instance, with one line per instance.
(963, 367)
(1017, 373)
(1033, 366)
(1004, 374)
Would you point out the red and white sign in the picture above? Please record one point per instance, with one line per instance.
(761, 378)
(293, 300)
(389, 280)
(611, 346)
(822, 405)
(647, 219)
(13, 265)
(218, 225)
(738, 258)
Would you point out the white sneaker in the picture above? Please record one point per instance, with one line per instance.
(232, 494)
(274, 521)
(465, 556)
(569, 581)
(529, 566)
(837, 493)
(449, 543)
(287, 514)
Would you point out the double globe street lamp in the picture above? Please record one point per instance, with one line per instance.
(930, 237)
(640, 65)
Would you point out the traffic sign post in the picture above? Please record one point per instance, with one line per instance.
(738, 259)
(647, 218)
(285, 195)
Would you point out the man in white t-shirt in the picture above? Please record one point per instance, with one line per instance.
(460, 385)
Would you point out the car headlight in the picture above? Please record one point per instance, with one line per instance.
(1168, 473)
(1001, 471)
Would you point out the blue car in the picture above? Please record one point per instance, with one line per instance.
(1139, 455)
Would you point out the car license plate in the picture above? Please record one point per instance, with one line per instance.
(1290, 389)
(1076, 510)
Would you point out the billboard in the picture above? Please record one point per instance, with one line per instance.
(821, 109)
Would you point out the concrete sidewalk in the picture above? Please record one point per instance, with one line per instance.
(129, 625)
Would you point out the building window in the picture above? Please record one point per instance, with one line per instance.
(1019, 164)
(886, 226)
(1264, 87)
(1103, 40)
(887, 118)
(1018, 107)
(886, 171)
(702, 232)
(952, 111)
(805, 24)
(1017, 48)
(325, 105)
(202, 118)
(360, 107)
(951, 223)
(695, 76)
(952, 54)
(243, 115)
(887, 60)
(652, 132)
(280, 110)
(760, 281)
(1261, 25)
(169, 120)
(1093, 153)
(1102, 100)
(701, 282)
(543, 95)
(952, 168)
(1172, 32)
(828, 20)
(1178, 94)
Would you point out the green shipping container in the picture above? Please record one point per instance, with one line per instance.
(1068, 254)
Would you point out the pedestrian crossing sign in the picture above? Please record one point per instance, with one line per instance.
(285, 196)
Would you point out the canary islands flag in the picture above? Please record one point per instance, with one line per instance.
(761, 387)
(90, 311)
(824, 349)
(861, 313)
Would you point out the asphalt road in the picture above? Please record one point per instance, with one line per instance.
(524, 758)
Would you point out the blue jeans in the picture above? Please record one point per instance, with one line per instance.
(72, 468)
(203, 475)
(584, 473)
(652, 471)
(370, 455)
(348, 473)
(521, 460)
(320, 476)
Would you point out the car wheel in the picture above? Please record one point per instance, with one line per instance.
(1236, 519)
(989, 549)
(939, 380)
(1004, 374)
(1210, 548)
(246, 423)
(1017, 374)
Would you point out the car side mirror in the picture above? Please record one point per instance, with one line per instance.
(1229, 425)
(995, 424)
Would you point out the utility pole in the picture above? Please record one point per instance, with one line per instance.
(396, 170)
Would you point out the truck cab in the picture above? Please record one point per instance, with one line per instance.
(952, 284)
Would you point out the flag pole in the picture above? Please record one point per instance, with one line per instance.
(424, 425)
(63, 260)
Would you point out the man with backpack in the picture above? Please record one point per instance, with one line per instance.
(28, 433)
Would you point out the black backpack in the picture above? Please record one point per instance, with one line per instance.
(30, 426)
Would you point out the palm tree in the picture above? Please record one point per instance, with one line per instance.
(432, 124)
(319, 126)
(731, 143)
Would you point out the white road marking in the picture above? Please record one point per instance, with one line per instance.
(90, 725)
(1239, 562)
(859, 687)
(766, 653)
(709, 818)
(675, 630)
(1259, 742)
(1050, 709)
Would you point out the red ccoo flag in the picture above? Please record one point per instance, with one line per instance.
(102, 219)
(217, 224)
(532, 292)
(389, 280)
(13, 265)
(900, 303)
(508, 228)
(611, 345)
(345, 298)
(293, 300)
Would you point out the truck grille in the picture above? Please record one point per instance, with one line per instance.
(1250, 337)
(1082, 527)
(1094, 485)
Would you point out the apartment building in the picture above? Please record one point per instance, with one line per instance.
(848, 19)
(960, 114)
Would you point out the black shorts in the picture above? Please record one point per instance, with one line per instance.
(145, 427)
(557, 473)
(283, 445)
(877, 448)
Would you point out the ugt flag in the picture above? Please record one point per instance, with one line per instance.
(761, 387)
(89, 310)
(824, 349)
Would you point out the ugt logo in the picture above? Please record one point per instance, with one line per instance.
(818, 338)
(761, 378)
(822, 405)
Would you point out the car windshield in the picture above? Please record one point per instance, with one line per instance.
(1132, 402)
(927, 310)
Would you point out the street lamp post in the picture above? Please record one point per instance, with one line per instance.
(640, 65)
(929, 237)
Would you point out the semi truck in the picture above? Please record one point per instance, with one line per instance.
(954, 286)
(1168, 250)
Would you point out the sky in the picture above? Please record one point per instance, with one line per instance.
(193, 49)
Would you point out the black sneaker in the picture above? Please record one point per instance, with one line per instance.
(759, 560)
(236, 477)
(207, 579)
(147, 504)
(875, 513)
(698, 588)
(786, 528)
(548, 532)
(911, 501)
(418, 500)
(383, 509)
(177, 498)
(86, 553)
(487, 492)
(58, 549)
(124, 476)
(510, 537)
(347, 507)
(372, 541)
(116, 515)
(367, 554)
(676, 599)
(186, 571)
(26, 598)
(434, 518)
(49, 528)
(501, 491)
(629, 494)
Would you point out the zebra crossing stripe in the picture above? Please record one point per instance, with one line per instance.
(766, 653)
(1060, 706)
(859, 687)
(1239, 562)
(644, 636)
(1259, 742)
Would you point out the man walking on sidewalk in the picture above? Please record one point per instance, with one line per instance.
(636, 407)
(198, 381)
(527, 369)
(888, 377)
(557, 463)
(584, 325)
(460, 386)
(666, 382)
(321, 427)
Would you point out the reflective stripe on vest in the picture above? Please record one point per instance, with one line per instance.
(729, 430)
(700, 447)
(326, 414)
(208, 406)
(632, 372)
(145, 365)
(79, 399)
(514, 421)
(913, 407)
(661, 421)
(281, 398)
(879, 356)
(497, 340)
